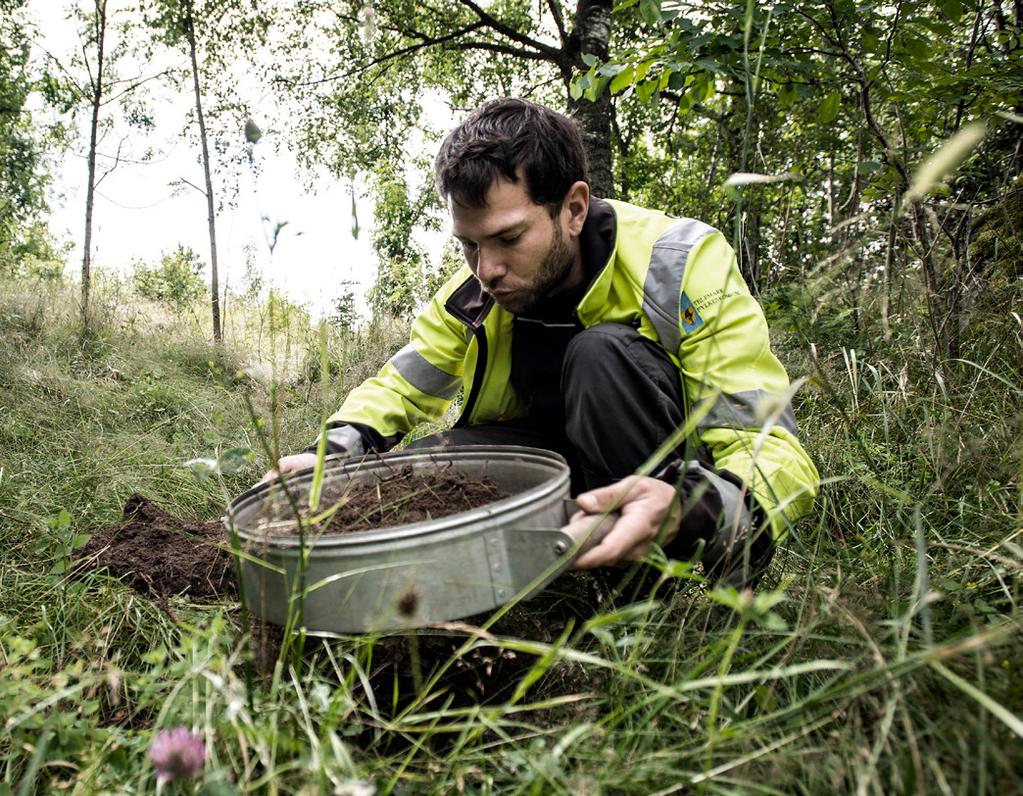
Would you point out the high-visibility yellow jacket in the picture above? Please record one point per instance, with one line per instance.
(677, 282)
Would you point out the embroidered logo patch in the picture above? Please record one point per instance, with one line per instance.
(691, 320)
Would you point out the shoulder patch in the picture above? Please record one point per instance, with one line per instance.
(691, 320)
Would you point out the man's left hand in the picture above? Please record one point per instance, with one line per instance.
(645, 505)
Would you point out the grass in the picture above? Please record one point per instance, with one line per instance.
(882, 655)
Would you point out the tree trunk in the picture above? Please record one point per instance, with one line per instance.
(90, 191)
(211, 213)
(591, 35)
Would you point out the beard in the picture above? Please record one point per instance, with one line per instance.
(553, 270)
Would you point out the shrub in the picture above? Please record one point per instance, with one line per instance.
(176, 281)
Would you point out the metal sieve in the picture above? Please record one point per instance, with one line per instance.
(409, 575)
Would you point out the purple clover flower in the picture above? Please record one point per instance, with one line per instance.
(177, 753)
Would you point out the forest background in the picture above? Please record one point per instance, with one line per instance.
(864, 158)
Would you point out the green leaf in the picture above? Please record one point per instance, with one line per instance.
(589, 59)
(646, 89)
(596, 89)
(580, 84)
(60, 522)
(704, 88)
(650, 11)
(623, 80)
(917, 47)
(828, 110)
(80, 540)
(867, 167)
(611, 69)
(764, 696)
(952, 9)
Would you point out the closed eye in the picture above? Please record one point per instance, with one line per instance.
(512, 240)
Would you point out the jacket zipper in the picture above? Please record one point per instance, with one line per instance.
(480, 333)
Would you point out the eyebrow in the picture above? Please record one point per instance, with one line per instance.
(499, 233)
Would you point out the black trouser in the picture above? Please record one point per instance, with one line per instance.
(622, 397)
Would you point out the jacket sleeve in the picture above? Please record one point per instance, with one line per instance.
(415, 385)
(730, 373)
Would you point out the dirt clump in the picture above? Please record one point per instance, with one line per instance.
(161, 555)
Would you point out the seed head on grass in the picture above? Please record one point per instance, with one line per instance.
(177, 753)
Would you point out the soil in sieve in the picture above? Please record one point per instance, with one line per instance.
(161, 555)
(402, 497)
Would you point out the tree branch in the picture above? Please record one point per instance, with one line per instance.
(552, 53)
(130, 88)
(192, 185)
(114, 165)
(559, 21)
(383, 59)
(505, 49)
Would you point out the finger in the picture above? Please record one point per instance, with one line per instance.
(589, 529)
(629, 537)
(271, 474)
(606, 498)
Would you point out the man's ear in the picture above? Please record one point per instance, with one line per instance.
(577, 203)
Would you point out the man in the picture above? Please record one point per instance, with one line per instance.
(594, 328)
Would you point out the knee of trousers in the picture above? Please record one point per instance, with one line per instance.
(592, 347)
(622, 395)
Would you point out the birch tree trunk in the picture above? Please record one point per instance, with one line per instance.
(90, 190)
(211, 212)
(591, 34)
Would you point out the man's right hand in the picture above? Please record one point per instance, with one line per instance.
(289, 464)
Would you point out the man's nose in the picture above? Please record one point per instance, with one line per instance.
(489, 266)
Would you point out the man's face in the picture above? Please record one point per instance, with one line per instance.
(517, 251)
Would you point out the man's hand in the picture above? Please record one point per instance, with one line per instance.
(644, 504)
(288, 464)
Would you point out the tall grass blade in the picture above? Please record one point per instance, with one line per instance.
(1007, 718)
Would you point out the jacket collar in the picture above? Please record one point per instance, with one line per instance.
(599, 241)
(469, 303)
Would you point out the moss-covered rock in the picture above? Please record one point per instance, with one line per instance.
(997, 239)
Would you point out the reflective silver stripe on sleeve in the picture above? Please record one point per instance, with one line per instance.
(663, 287)
(423, 375)
(346, 438)
(743, 410)
(735, 521)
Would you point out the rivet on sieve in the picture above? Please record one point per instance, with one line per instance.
(560, 548)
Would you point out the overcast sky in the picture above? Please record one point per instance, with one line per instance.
(140, 215)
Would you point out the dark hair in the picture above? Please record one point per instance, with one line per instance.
(503, 136)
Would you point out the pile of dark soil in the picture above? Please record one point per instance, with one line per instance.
(402, 497)
(161, 555)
